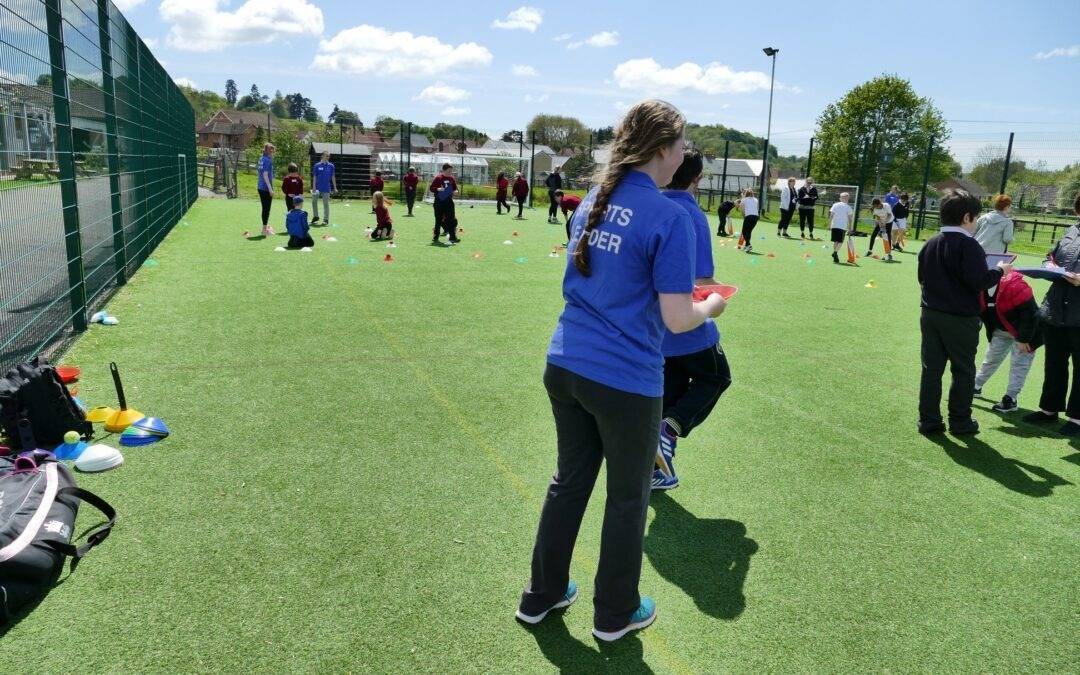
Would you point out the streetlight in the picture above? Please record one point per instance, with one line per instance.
(769, 51)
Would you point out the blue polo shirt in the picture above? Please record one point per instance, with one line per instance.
(324, 171)
(265, 164)
(296, 223)
(706, 335)
(892, 199)
(610, 330)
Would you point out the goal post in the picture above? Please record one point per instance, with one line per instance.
(476, 172)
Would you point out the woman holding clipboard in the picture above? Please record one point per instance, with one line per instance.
(1061, 331)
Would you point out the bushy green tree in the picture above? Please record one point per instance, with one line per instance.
(1068, 189)
(558, 131)
(231, 92)
(886, 116)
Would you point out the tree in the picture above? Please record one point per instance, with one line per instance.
(289, 149)
(580, 167)
(279, 106)
(311, 114)
(387, 126)
(205, 103)
(1068, 189)
(559, 131)
(230, 92)
(711, 139)
(511, 136)
(603, 135)
(342, 116)
(988, 165)
(887, 117)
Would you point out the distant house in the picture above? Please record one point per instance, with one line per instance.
(974, 189)
(352, 163)
(234, 129)
(511, 149)
(1040, 196)
(451, 145)
(417, 143)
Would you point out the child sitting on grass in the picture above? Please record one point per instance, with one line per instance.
(952, 273)
(292, 185)
(296, 224)
(383, 225)
(1011, 317)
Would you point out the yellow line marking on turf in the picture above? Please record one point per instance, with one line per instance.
(649, 637)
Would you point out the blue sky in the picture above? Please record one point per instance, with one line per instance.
(492, 65)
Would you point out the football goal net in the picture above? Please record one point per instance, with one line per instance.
(477, 173)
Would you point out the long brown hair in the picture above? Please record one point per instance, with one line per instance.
(647, 128)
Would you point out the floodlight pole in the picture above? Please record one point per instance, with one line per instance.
(769, 51)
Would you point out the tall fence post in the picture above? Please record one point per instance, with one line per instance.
(723, 175)
(112, 153)
(408, 145)
(925, 184)
(809, 158)
(862, 182)
(1005, 170)
(521, 150)
(462, 149)
(532, 166)
(401, 166)
(65, 159)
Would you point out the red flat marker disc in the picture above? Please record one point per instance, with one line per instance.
(725, 291)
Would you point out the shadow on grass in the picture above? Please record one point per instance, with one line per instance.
(1021, 477)
(256, 237)
(1019, 428)
(707, 558)
(571, 655)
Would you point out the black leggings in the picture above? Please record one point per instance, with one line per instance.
(806, 219)
(300, 242)
(410, 199)
(553, 205)
(721, 230)
(693, 384)
(1062, 346)
(521, 205)
(748, 223)
(596, 426)
(885, 234)
(500, 202)
(785, 219)
(267, 198)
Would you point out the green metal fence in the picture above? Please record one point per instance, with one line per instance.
(97, 164)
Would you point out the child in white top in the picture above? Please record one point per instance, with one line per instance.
(883, 223)
(841, 219)
(749, 206)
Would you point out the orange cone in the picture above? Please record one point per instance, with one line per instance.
(741, 242)
(388, 258)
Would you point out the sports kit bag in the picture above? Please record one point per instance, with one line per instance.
(34, 391)
(38, 505)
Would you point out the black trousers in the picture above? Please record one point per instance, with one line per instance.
(1062, 345)
(693, 384)
(748, 223)
(885, 234)
(721, 228)
(300, 242)
(445, 219)
(806, 219)
(521, 205)
(553, 205)
(267, 198)
(500, 201)
(952, 339)
(596, 424)
(785, 219)
(568, 227)
(410, 199)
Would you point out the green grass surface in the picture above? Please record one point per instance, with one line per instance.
(360, 451)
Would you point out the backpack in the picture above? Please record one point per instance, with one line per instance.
(38, 505)
(34, 391)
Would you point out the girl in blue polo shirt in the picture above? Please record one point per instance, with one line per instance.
(630, 274)
(266, 181)
(696, 371)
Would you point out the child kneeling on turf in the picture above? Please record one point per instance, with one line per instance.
(296, 224)
(952, 273)
(383, 224)
(1011, 317)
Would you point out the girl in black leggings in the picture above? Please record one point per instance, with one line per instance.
(749, 206)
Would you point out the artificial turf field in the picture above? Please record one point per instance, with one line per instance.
(360, 449)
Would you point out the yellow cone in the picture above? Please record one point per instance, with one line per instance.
(871, 284)
(122, 419)
(100, 414)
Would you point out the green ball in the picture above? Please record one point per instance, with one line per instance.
(71, 437)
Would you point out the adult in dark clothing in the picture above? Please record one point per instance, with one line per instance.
(808, 197)
(1061, 333)
(953, 274)
(725, 208)
(553, 183)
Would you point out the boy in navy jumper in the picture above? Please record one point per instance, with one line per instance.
(953, 274)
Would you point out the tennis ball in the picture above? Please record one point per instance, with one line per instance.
(71, 437)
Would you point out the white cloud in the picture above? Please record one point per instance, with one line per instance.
(370, 50)
(1067, 52)
(441, 94)
(185, 82)
(524, 71)
(522, 18)
(621, 106)
(453, 111)
(562, 37)
(529, 98)
(17, 78)
(125, 5)
(607, 38)
(714, 78)
(203, 26)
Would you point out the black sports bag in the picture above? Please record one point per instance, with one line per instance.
(38, 505)
(35, 391)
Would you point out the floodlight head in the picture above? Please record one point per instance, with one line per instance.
(770, 51)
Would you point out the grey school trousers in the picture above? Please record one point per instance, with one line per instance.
(315, 197)
(1001, 344)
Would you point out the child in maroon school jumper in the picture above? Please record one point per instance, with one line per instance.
(376, 184)
(383, 225)
(292, 185)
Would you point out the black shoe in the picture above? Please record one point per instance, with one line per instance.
(963, 427)
(868, 254)
(1040, 417)
(1070, 428)
(978, 391)
(1007, 405)
(931, 427)
(835, 258)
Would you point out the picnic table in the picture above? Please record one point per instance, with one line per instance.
(28, 168)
